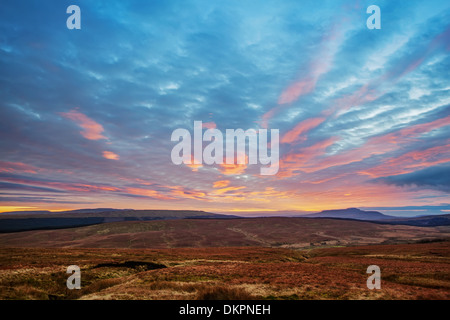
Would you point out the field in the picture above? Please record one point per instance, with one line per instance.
(293, 233)
(408, 271)
(258, 258)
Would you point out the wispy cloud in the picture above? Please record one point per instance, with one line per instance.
(91, 129)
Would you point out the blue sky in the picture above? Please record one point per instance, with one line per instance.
(86, 115)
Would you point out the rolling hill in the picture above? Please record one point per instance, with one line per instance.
(375, 216)
(294, 233)
(350, 213)
(423, 221)
(25, 221)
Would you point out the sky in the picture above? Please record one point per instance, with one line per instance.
(86, 116)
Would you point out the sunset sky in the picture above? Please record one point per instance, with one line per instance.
(86, 115)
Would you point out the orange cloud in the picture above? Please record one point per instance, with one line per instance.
(354, 195)
(232, 169)
(144, 182)
(269, 192)
(238, 194)
(221, 184)
(225, 190)
(180, 191)
(148, 193)
(194, 166)
(91, 129)
(110, 155)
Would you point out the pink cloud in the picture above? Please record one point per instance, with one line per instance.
(406, 134)
(292, 163)
(17, 167)
(300, 129)
(91, 129)
(208, 125)
(297, 89)
(320, 65)
(312, 159)
(110, 155)
(411, 161)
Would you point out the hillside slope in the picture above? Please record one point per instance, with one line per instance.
(267, 232)
(14, 222)
(350, 213)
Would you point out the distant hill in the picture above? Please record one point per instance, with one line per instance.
(45, 220)
(26, 221)
(350, 213)
(423, 221)
(378, 217)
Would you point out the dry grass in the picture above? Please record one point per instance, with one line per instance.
(223, 293)
(298, 233)
(410, 271)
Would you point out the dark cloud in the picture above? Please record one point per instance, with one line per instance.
(23, 187)
(436, 177)
(41, 200)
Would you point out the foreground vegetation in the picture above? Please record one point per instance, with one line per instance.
(408, 271)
